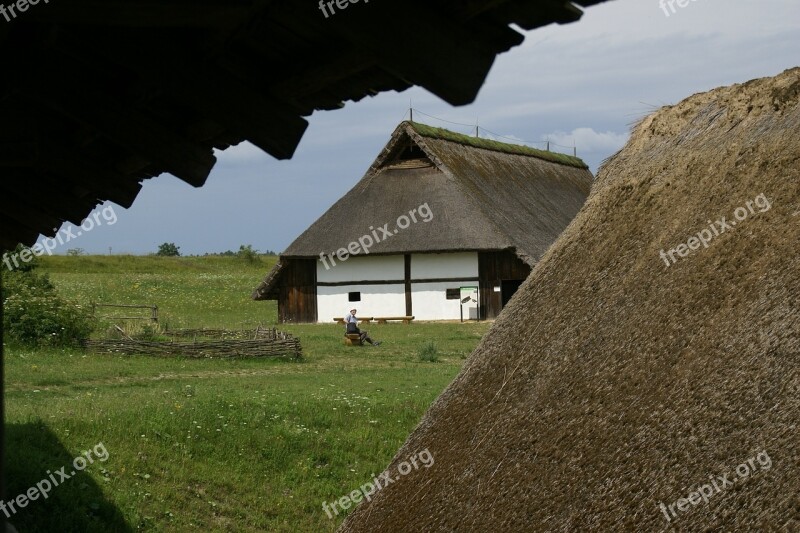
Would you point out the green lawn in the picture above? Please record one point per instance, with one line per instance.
(244, 445)
(189, 291)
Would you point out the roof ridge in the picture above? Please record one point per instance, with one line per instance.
(487, 144)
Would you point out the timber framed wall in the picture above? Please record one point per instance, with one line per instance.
(493, 269)
(309, 293)
(297, 296)
(431, 277)
(376, 284)
(396, 285)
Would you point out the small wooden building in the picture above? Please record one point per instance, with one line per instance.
(442, 226)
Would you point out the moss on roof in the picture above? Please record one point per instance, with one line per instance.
(487, 144)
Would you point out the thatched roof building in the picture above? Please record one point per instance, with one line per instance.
(490, 196)
(98, 96)
(484, 197)
(618, 390)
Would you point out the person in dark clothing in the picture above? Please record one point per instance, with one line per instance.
(351, 323)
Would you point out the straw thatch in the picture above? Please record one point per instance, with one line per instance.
(483, 195)
(613, 383)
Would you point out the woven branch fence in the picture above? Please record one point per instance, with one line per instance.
(261, 343)
(241, 334)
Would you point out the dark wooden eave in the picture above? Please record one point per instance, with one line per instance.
(98, 95)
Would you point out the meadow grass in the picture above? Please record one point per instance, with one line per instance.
(244, 445)
(191, 292)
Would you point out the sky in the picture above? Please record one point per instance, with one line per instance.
(582, 85)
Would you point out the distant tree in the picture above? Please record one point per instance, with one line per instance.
(76, 252)
(168, 249)
(247, 253)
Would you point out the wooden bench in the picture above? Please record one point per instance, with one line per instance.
(361, 320)
(384, 319)
(352, 339)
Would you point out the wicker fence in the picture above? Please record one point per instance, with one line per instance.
(258, 343)
(222, 334)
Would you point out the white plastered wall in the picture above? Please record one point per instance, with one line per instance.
(429, 301)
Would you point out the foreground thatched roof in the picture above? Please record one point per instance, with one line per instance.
(482, 194)
(613, 382)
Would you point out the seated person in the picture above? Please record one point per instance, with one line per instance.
(351, 323)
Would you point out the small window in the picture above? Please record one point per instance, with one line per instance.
(353, 296)
(453, 294)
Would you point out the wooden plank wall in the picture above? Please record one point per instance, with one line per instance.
(493, 267)
(297, 300)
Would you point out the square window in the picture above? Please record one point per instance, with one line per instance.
(453, 294)
(353, 296)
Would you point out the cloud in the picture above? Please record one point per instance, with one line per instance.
(588, 140)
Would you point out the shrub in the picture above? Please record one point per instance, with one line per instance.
(428, 352)
(14, 260)
(34, 314)
(168, 249)
(248, 254)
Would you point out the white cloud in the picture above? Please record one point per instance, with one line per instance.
(588, 140)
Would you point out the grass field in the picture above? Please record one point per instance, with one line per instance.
(244, 445)
(189, 291)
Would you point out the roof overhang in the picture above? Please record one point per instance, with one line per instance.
(98, 96)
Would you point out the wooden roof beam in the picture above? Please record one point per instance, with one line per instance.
(528, 15)
(263, 119)
(129, 128)
(143, 14)
(21, 233)
(451, 62)
(84, 172)
(310, 80)
(19, 154)
(22, 211)
(78, 170)
(70, 203)
(218, 97)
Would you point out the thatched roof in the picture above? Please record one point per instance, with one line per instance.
(98, 96)
(483, 195)
(613, 383)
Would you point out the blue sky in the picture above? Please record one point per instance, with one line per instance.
(584, 83)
